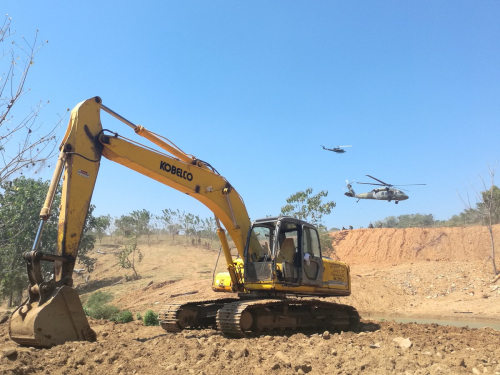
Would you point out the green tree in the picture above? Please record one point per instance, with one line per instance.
(127, 257)
(171, 222)
(177, 221)
(20, 202)
(134, 225)
(302, 205)
(209, 228)
(102, 224)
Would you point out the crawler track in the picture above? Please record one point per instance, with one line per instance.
(242, 318)
(247, 318)
(176, 317)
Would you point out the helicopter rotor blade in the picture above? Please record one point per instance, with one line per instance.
(370, 183)
(382, 182)
(409, 184)
(344, 146)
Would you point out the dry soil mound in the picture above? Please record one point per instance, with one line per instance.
(395, 246)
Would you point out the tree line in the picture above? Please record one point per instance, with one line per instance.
(20, 202)
(143, 223)
(487, 205)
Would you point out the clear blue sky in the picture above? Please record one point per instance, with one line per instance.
(255, 87)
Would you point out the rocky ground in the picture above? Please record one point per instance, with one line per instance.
(379, 348)
(449, 277)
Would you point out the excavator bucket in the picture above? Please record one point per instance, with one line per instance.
(61, 318)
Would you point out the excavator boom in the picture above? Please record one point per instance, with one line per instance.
(53, 313)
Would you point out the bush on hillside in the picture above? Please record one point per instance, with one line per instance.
(151, 318)
(97, 307)
(124, 316)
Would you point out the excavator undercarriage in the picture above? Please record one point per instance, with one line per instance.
(246, 317)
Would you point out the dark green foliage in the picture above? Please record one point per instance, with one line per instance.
(407, 221)
(302, 205)
(124, 316)
(20, 202)
(151, 318)
(490, 201)
(99, 298)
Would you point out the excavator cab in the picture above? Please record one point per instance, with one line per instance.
(282, 251)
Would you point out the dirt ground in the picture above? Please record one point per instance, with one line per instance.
(439, 273)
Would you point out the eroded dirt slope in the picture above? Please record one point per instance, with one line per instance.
(382, 246)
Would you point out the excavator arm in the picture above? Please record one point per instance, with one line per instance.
(53, 313)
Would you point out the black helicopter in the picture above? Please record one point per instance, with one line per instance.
(338, 149)
(386, 193)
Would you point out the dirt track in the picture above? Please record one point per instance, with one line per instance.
(446, 276)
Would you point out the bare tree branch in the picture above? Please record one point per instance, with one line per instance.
(23, 143)
(487, 210)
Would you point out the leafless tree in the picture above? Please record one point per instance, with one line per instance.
(487, 209)
(23, 143)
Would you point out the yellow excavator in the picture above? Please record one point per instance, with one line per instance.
(278, 269)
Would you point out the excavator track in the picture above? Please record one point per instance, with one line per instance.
(248, 318)
(176, 317)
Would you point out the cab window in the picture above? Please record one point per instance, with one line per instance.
(261, 242)
(311, 242)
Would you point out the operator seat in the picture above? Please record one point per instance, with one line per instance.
(287, 251)
(285, 257)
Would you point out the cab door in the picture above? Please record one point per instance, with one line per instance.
(312, 263)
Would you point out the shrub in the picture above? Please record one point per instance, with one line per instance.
(104, 312)
(138, 316)
(98, 299)
(124, 316)
(151, 318)
(86, 310)
(97, 307)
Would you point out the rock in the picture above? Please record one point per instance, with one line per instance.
(403, 343)
(9, 352)
(333, 352)
(242, 353)
(303, 369)
(375, 346)
(282, 357)
(4, 318)
(475, 371)
(326, 335)
(172, 368)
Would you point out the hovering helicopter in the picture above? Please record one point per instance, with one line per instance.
(338, 149)
(386, 193)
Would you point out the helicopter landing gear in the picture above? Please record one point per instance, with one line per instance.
(396, 202)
